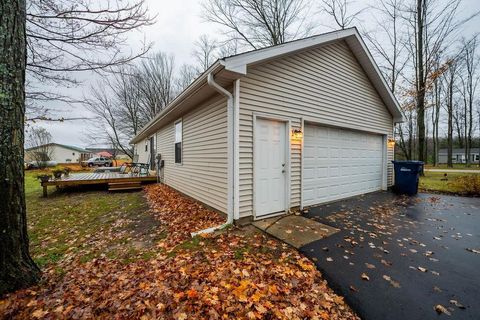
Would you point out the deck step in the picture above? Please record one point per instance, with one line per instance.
(116, 186)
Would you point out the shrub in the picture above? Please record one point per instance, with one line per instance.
(468, 185)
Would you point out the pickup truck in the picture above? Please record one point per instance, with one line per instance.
(97, 161)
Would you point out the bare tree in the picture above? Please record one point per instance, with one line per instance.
(434, 25)
(155, 82)
(186, 74)
(469, 88)
(205, 51)
(260, 23)
(228, 48)
(339, 11)
(17, 269)
(388, 40)
(127, 100)
(450, 76)
(437, 88)
(67, 37)
(39, 146)
(115, 103)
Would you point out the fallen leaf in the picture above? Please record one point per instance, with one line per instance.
(392, 282)
(386, 263)
(192, 293)
(39, 313)
(473, 250)
(457, 304)
(365, 277)
(422, 269)
(441, 309)
(370, 266)
(329, 259)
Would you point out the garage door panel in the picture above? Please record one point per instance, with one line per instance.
(340, 163)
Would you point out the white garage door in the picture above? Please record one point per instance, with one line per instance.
(340, 163)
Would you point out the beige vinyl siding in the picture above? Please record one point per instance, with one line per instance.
(203, 172)
(324, 85)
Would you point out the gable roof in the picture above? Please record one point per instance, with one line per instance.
(61, 145)
(228, 69)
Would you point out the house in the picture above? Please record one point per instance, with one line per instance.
(458, 155)
(60, 153)
(288, 126)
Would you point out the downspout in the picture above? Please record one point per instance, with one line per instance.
(230, 156)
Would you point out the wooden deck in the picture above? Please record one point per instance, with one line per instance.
(92, 178)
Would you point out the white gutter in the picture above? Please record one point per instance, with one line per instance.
(230, 156)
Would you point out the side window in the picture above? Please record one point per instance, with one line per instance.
(178, 141)
(146, 146)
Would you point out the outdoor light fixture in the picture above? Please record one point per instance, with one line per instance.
(391, 142)
(297, 134)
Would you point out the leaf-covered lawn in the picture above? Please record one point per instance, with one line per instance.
(106, 255)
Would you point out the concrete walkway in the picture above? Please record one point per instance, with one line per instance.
(454, 170)
(297, 231)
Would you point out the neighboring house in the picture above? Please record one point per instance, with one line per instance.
(60, 153)
(109, 152)
(458, 155)
(288, 126)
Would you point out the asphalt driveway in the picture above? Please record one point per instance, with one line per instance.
(400, 258)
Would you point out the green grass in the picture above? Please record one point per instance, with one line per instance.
(432, 181)
(84, 224)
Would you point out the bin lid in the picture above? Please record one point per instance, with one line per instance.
(408, 162)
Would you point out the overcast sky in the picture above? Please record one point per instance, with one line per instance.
(178, 26)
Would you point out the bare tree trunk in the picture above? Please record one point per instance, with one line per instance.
(450, 118)
(420, 81)
(410, 137)
(458, 128)
(17, 269)
(435, 119)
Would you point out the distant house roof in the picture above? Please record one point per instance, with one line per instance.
(66, 146)
(228, 69)
(457, 151)
(104, 154)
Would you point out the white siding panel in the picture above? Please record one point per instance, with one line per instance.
(203, 172)
(326, 85)
(143, 155)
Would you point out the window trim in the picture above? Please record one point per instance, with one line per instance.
(175, 143)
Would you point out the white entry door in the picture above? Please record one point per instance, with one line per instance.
(270, 166)
(340, 163)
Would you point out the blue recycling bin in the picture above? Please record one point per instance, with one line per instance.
(407, 174)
